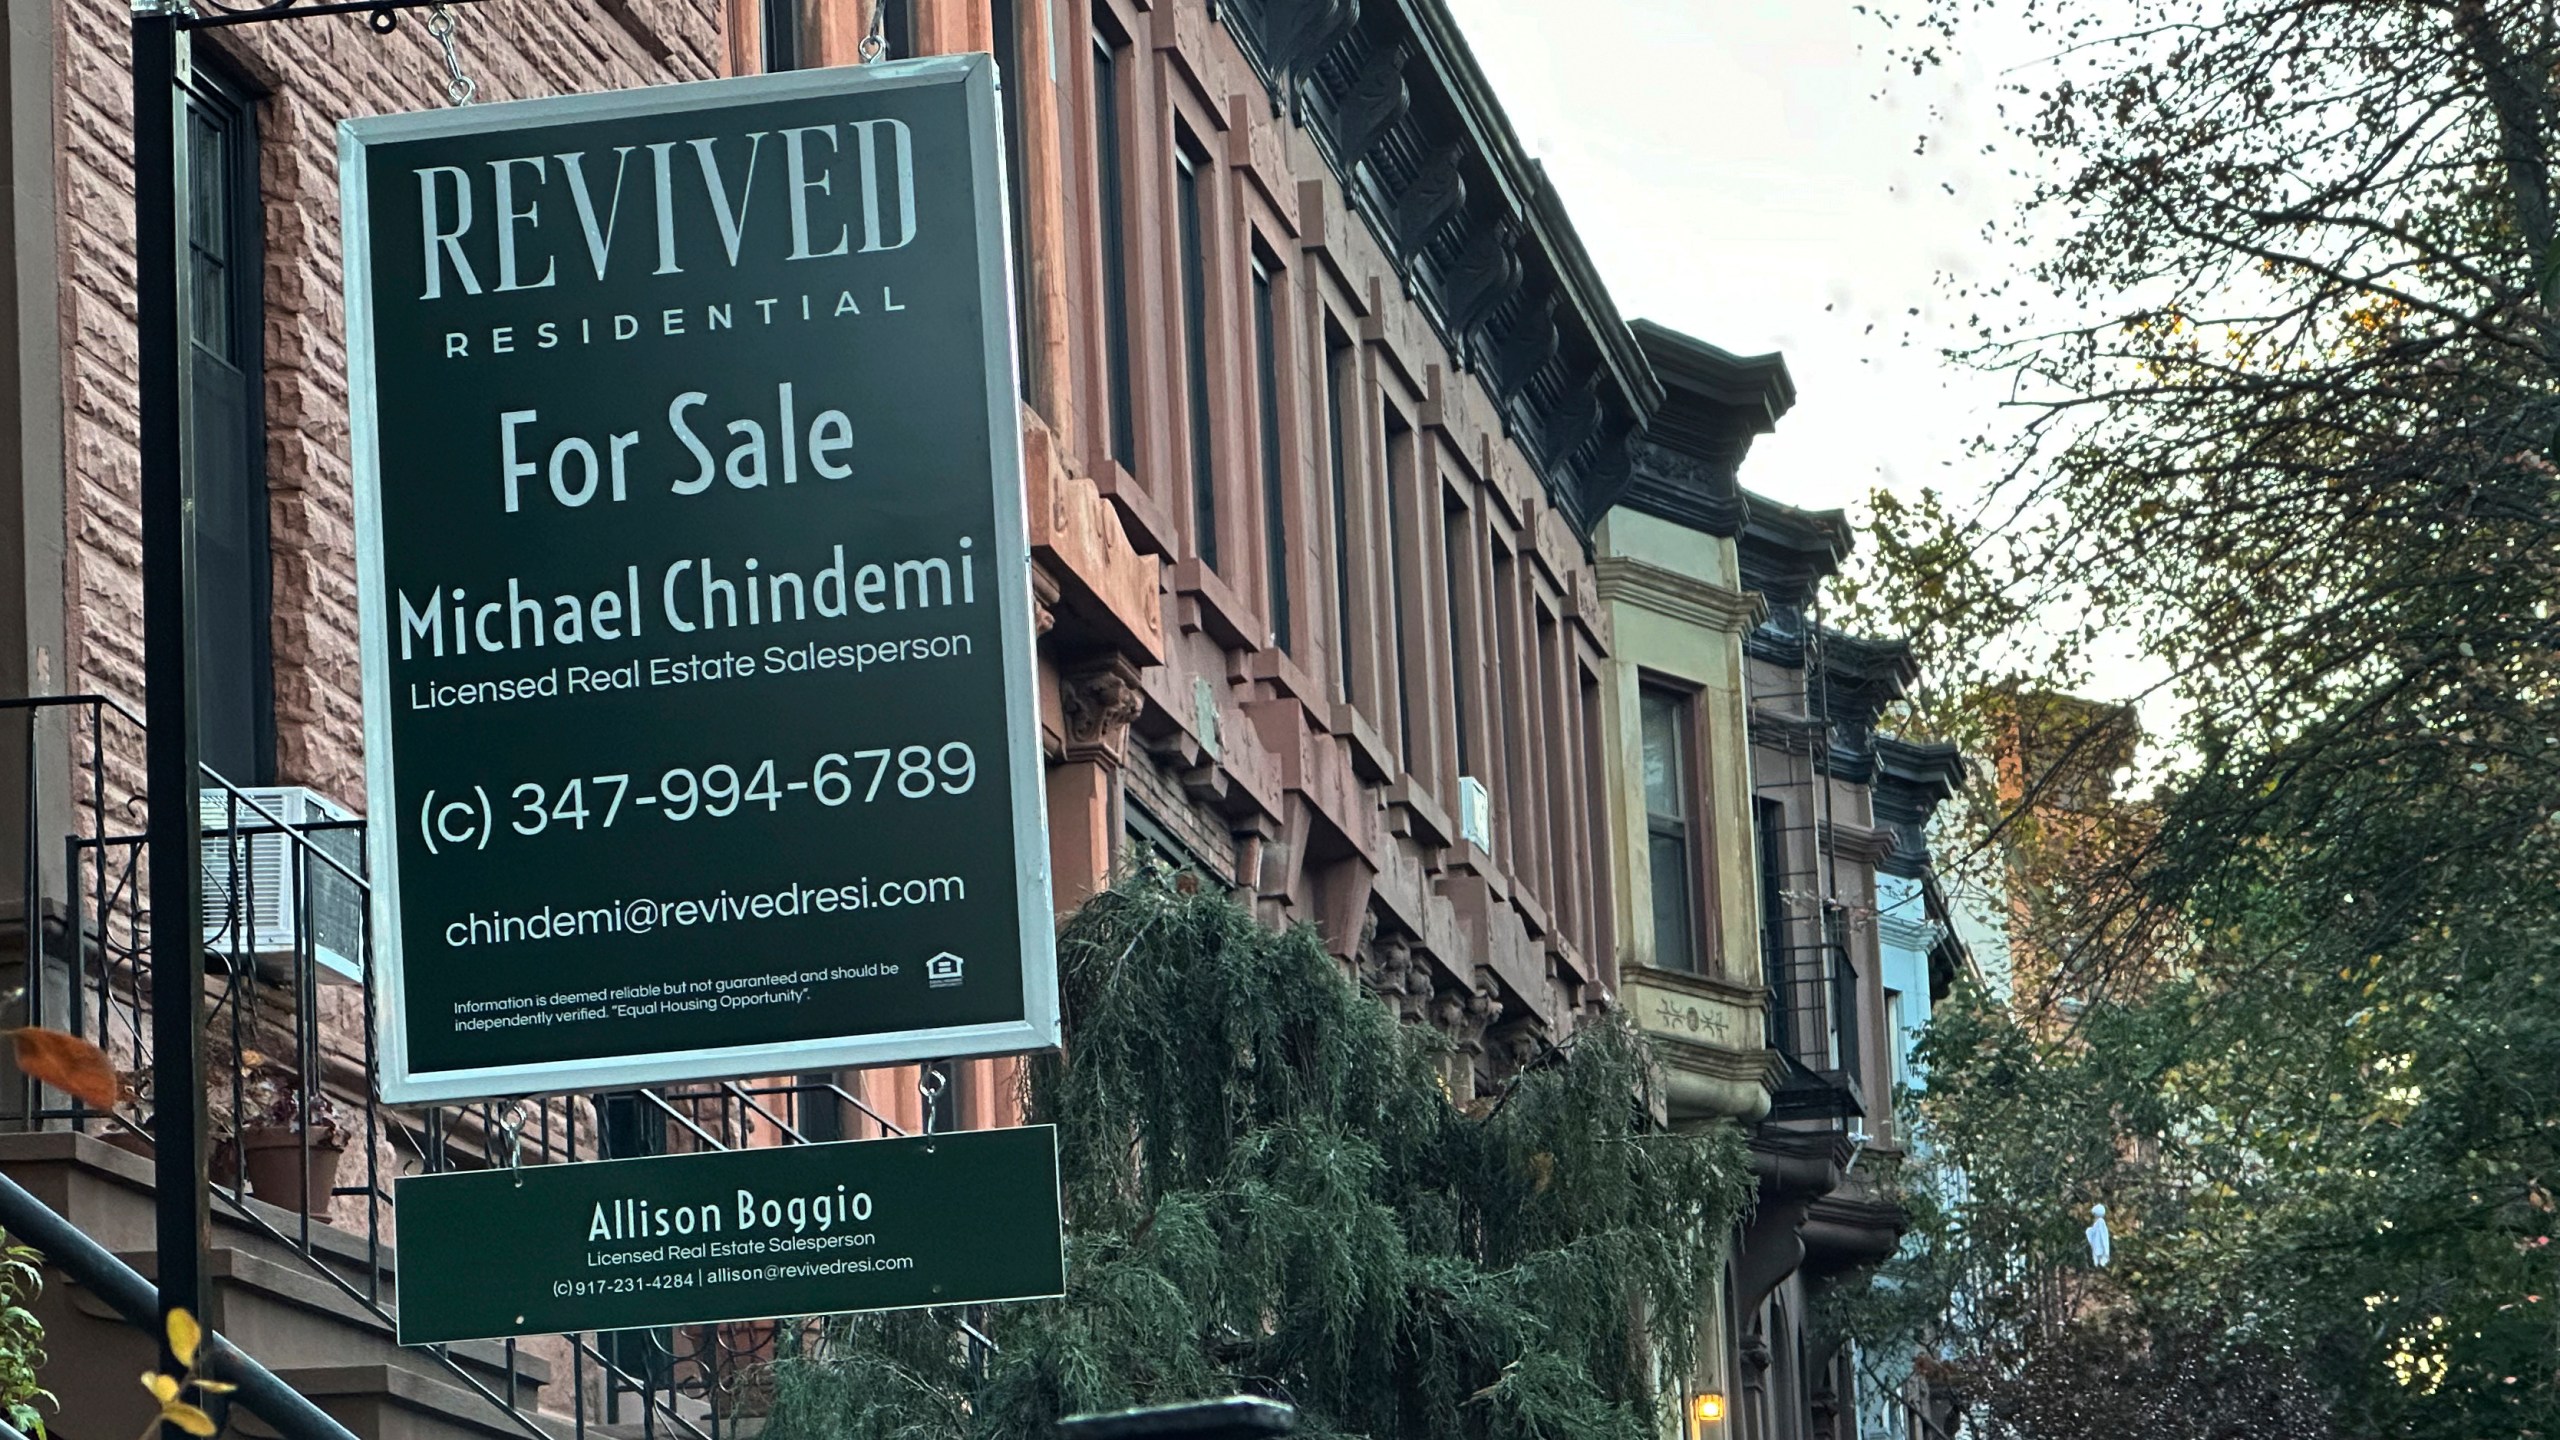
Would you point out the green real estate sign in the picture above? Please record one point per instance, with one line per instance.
(965, 1218)
(695, 594)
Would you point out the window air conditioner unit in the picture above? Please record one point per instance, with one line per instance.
(254, 901)
(1475, 813)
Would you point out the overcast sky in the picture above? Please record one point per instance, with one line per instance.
(1743, 170)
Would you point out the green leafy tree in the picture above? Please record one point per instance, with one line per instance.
(2284, 342)
(1270, 1190)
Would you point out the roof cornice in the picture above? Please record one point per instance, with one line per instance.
(1425, 156)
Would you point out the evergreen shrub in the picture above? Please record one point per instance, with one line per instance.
(1270, 1189)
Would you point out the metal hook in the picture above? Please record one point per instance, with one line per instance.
(930, 1083)
(458, 87)
(511, 1124)
(875, 42)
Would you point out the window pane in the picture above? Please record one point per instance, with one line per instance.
(1275, 497)
(1665, 774)
(781, 36)
(1400, 462)
(1461, 632)
(1673, 946)
(1112, 200)
(1337, 418)
(209, 167)
(1195, 355)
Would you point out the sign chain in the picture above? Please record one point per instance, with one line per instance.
(511, 1122)
(875, 43)
(458, 87)
(930, 1081)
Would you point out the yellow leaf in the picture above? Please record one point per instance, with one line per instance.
(190, 1419)
(184, 1335)
(216, 1387)
(162, 1387)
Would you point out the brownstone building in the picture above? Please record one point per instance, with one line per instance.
(1342, 469)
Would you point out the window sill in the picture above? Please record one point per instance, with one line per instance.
(1150, 528)
(1417, 815)
(1212, 608)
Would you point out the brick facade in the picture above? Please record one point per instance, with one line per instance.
(312, 74)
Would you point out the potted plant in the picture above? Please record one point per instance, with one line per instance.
(135, 1133)
(279, 1125)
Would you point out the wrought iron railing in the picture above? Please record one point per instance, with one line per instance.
(290, 1042)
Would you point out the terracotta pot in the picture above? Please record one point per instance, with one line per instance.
(277, 1175)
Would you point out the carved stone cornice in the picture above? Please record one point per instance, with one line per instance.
(1685, 598)
(1421, 150)
(1714, 403)
(1843, 1232)
(1786, 552)
(1097, 701)
(1857, 842)
(1912, 780)
(1684, 489)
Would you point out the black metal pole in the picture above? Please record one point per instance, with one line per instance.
(169, 695)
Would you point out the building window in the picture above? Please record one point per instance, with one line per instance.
(1896, 1038)
(781, 36)
(817, 1112)
(629, 1124)
(1400, 462)
(1599, 945)
(1005, 33)
(1770, 823)
(226, 443)
(1275, 494)
(1149, 841)
(1668, 767)
(1193, 239)
(1510, 780)
(1111, 197)
(1338, 419)
(1458, 562)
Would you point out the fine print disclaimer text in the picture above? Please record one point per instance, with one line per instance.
(672, 997)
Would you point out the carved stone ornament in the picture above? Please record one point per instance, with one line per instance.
(1098, 704)
(1464, 1015)
(1397, 976)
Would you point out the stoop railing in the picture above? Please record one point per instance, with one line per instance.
(288, 1037)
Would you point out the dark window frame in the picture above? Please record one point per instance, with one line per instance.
(1458, 564)
(1005, 34)
(1403, 449)
(1677, 827)
(225, 451)
(1267, 278)
(1113, 55)
(1342, 387)
(1195, 262)
(782, 40)
(1769, 837)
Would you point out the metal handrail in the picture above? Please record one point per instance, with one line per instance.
(35, 1223)
(108, 949)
